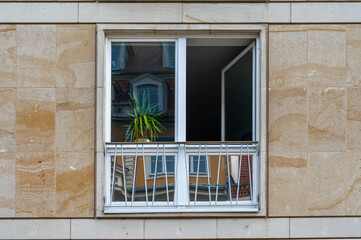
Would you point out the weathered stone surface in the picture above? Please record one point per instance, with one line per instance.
(35, 185)
(75, 115)
(36, 48)
(75, 56)
(353, 185)
(35, 120)
(7, 184)
(327, 179)
(74, 184)
(288, 171)
(354, 118)
(353, 44)
(47, 112)
(331, 111)
(8, 56)
(288, 119)
(326, 119)
(326, 56)
(288, 56)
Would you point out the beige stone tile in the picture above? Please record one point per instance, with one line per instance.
(74, 184)
(320, 12)
(7, 184)
(22, 12)
(35, 229)
(7, 140)
(130, 12)
(327, 119)
(75, 55)
(35, 185)
(353, 192)
(36, 47)
(107, 229)
(287, 56)
(288, 184)
(7, 108)
(354, 118)
(326, 177)
(236, 13)
(353, 44)
(35, 120)
(180, 228)
(73, 99)
(325, 227)
(287, 120)
(326, 56)
(253, 228)
(8, 56)
(75, 119)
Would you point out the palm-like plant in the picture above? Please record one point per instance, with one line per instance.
(144, 122)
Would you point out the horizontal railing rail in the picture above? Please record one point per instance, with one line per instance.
(151, 174)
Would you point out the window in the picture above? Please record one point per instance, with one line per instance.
(197, 165)
(205, 158)
(161, 167)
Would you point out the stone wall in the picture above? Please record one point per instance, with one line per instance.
(47, 104)
(314, 120)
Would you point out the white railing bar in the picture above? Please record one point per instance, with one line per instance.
(209, 186)
(124, 183)
(239, 174)
(249, 174)
(219, 168)
(135, 174)
(145, 176)
(186, 162)
(199, 158)
(155, 174)
(164, 204)
(166, 176)
(229, 178)
(113, 178)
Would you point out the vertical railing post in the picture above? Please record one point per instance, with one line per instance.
(135, 173)
(219, 169)
(145, 176)
(239, 173)
(124, 183)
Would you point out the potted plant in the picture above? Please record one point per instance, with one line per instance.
(144, 126)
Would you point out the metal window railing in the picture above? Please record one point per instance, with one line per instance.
(224, 176)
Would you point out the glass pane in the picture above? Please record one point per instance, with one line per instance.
(154, 162)
(226, 185)
(138, 71)
(170, 164)
(206, 58)
(238, 100)
(143, 183)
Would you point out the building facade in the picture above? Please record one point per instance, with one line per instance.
(260, 103)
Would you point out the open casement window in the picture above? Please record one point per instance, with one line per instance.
(205, 92)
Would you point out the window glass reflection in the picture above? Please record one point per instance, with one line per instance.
(143, 72)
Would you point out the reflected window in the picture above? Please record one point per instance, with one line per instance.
(145, 71)
(194, 161)
(160, 166)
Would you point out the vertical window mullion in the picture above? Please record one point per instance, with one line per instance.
(182, 191)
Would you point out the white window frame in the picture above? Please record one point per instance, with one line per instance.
(181, 196)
